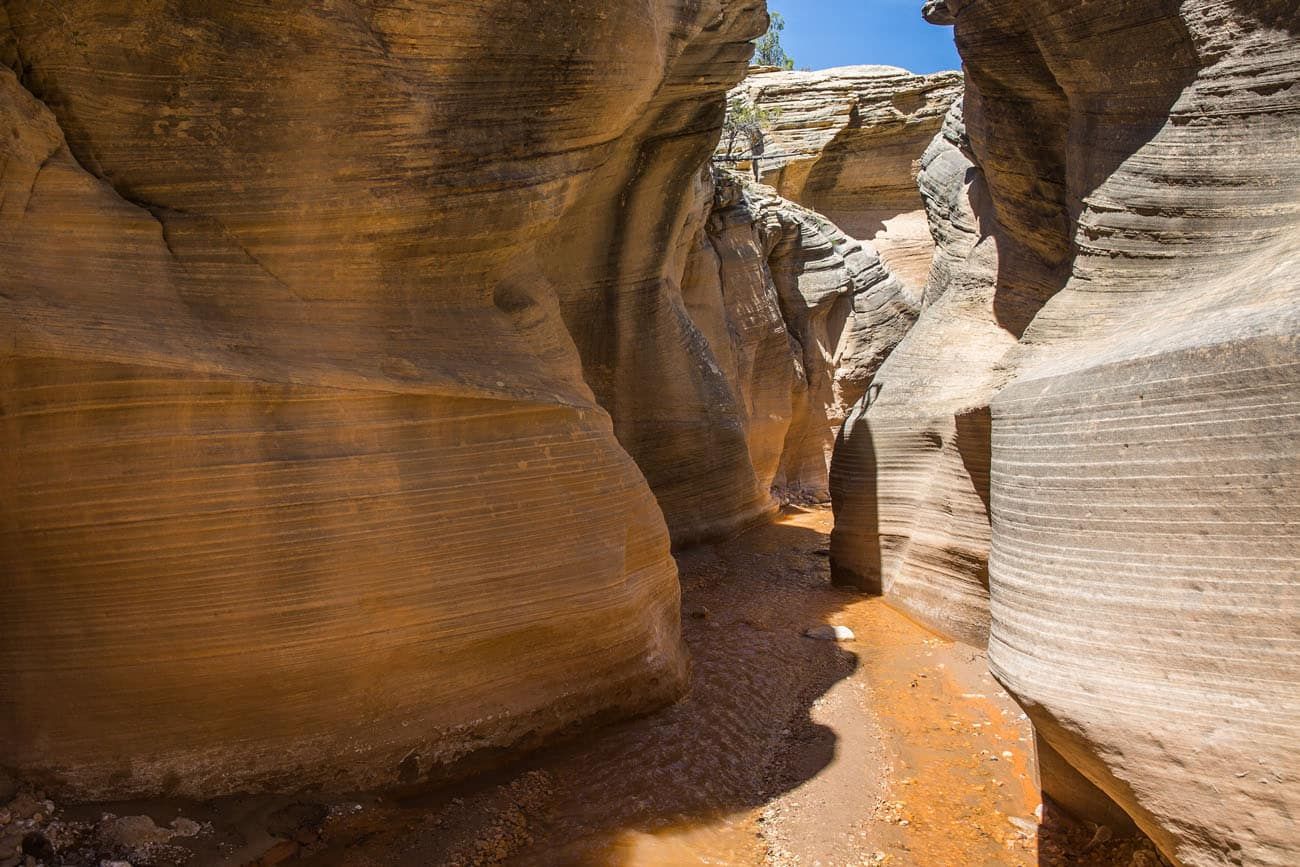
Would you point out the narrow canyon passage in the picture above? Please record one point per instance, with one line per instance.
(895, 747)
(385, 387)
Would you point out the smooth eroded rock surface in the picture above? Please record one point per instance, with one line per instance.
(911, 473)
(308, 328)
(798, 318)
(845, 142)
(1108, 363)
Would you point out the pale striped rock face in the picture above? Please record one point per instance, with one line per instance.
(845, 142)
(309, 322)
(1134, 279)
(798, 317)
(1146, 462)
(910, 474)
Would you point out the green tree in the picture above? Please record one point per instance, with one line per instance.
(746, 122)
(768, 50)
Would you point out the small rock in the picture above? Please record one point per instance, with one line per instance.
(822, 552)
(131, 833)
(1024, 826)
(830, 633)
(700, 613)
(1101, 835)
(185, 827)
(24, 806)
(114, 864)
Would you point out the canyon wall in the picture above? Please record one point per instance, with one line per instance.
(347, 422)
(1094, 423)
(797, 316)
(312, 327)
(845, 143)
(911, 474)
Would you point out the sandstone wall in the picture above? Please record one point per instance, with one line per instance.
(1113, 319)
(846, 143)
(304, 482)
(727, 377)
(798, 318)
(911, 472)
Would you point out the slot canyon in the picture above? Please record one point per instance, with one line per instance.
(428, 438)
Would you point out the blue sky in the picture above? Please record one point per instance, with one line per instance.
(825, 33)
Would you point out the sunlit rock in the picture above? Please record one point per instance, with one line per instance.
(846, 143)
(301, 316)
(1106, 364)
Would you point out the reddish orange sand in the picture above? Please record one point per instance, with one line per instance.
(895, 748)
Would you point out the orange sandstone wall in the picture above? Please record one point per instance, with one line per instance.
(304, 483)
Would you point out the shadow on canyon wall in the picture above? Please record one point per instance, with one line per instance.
(854, 480)
(1029, 108)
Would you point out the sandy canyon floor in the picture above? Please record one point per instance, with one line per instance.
(896, 747)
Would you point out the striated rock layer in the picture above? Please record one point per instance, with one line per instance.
(303, 481)
(1108, 362)
(911, 473)
(728, 329)
(845, 143)
(798, 317)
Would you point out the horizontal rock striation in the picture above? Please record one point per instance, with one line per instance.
(1121, 263)
(845, 143)
(1146, 457)
(308, 330)
(798, 317)
(911, 472)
